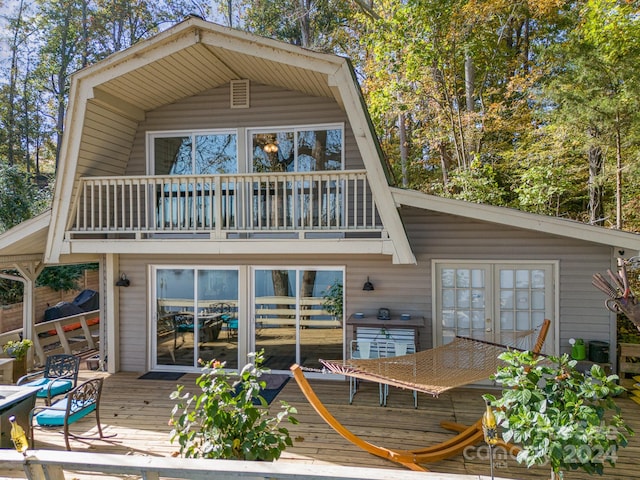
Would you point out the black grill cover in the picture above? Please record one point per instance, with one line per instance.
(87, 300)
(61, 310)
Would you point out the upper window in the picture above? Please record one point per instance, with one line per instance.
(287, 149)
(205, 153)
(300, 149)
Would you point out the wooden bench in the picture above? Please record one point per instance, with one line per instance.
(72, 335)
(629, 361)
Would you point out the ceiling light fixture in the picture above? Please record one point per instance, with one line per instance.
(270, 147)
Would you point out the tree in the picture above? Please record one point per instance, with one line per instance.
(20, 197)
(317, 24)
(596, 89)
(61, 54)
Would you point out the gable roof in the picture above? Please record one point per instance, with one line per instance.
(516, 218)
(109, 99)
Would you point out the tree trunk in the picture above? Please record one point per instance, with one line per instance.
(469, 82)
(305, 24)
(595, 189)
(12, 137)
(404, 149)
(619, 222)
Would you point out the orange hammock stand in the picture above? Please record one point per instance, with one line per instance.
(412, 459)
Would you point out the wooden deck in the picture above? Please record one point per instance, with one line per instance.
(138, 412)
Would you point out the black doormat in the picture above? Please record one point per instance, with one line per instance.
(161, 376)
(274, 384)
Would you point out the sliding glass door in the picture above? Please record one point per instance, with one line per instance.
(196, 316)
(294, 319)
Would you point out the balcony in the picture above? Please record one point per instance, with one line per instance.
(289, 205)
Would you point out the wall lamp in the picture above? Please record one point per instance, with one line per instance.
(368, 286)
(123, 282)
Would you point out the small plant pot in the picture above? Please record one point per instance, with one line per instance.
(19, 368)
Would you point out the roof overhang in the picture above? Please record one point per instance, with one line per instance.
(25, 244)
(516, 218)
(187, 59)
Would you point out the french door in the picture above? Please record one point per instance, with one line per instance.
(495, 302)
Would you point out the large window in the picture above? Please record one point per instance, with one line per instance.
(304, 149)
(297, 202)
(187, 200)
(204, 153)
(286, 149)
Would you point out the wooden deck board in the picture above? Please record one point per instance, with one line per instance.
(138, 412)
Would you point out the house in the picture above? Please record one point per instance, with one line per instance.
(232, 190)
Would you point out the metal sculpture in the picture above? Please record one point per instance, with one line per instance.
(621, 299)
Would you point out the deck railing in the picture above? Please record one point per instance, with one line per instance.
(48, 464)
(222, 205)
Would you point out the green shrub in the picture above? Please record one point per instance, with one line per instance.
(223, 422)
(559, 416)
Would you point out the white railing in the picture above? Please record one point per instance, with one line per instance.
(47, 464)
(224, 204)
(62, 335)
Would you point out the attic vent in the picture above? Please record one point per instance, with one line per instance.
(239, 93)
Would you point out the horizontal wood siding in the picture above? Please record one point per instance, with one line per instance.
(407, 288)
(270, 106)
(107, 139)
(133, 313)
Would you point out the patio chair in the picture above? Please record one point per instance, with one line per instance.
(76, 405)
(229, 319)
(362, 349)
(398, 349)
(60, 375)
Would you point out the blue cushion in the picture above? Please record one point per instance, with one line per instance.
(55, 418)
(58, 388)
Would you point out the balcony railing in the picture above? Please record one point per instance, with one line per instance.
(224, 205)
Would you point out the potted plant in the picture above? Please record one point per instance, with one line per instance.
(229, 419)
(18, 350)
(557, 415)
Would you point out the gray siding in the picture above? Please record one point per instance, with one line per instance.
(270, 106)
(407, 288)
(581, 306)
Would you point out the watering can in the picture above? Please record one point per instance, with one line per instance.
(578, 350)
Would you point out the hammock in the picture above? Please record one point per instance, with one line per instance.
(461, 362)
(440, 357)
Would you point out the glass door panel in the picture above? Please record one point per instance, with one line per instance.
(275, 315)
(175, 340)
(321, 300)
(217, 316)
(197, 317)
(298, 316)
(463, 299)
(525, 300)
